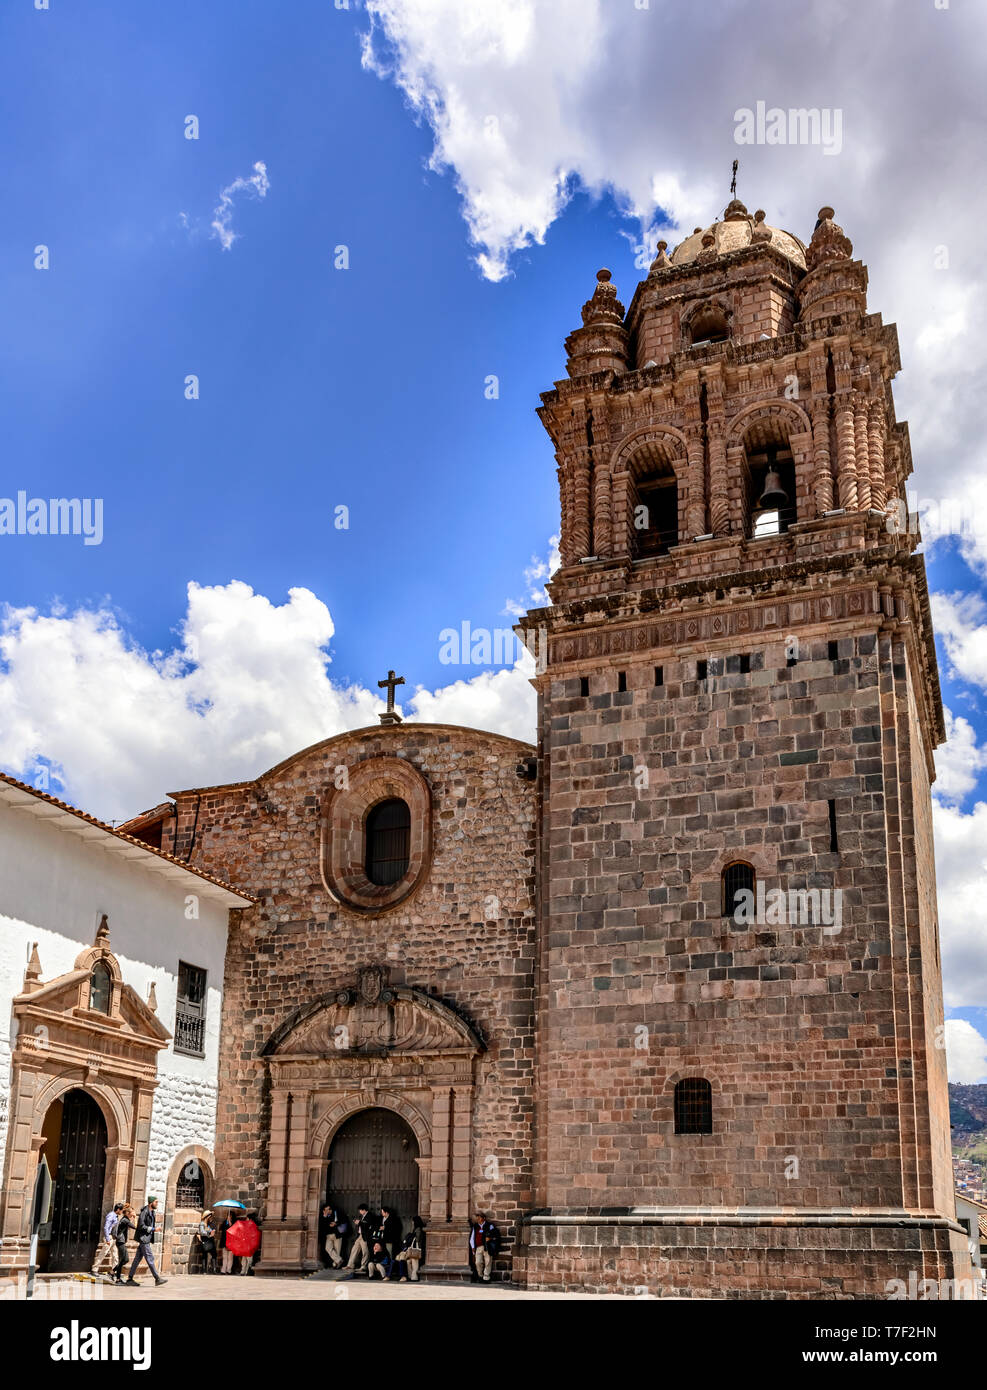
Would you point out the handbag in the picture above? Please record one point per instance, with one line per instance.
(413, 1252)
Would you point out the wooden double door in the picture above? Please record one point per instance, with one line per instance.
(77, 1210)
(373, 1159)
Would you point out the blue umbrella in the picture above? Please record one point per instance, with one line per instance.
(230, 1203)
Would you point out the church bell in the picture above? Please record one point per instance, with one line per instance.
(774, 495)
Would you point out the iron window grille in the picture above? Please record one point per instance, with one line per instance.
(736, 878)
(190, 1013)
(693, 1106)
(190, 1190)
(388, 842)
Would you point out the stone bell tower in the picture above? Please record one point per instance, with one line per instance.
(741, 1085)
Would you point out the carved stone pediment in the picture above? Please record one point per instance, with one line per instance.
(58, 1002)
(399, 1021)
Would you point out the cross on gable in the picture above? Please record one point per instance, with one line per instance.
(390, 716)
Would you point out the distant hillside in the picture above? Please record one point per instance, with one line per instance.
(968, 1116)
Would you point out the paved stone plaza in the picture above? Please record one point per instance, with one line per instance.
(234, 1289)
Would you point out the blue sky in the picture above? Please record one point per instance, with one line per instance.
(479, 170)
(318, 387)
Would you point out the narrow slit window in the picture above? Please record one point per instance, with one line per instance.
(737, 879)
(621, 682)
(584, 685)
(834, 843)
(745, 663)
(659, 675)
(693, 1106)
(834, 651)
(702, 669)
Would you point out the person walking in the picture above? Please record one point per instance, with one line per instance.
(411, 1255)
(335, 1229)
(226, 1254)
(366, 1224)
(145, 1239)
(379, 1262)
(207, 1242)
(107, 1247)
(484, 1245)
(121, 1231)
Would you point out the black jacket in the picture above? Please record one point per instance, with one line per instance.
(123, 1228)
(388, 1232)
(487, 1236)
(145, 1226)
(366, 1225)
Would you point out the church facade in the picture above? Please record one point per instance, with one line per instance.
(661, 994)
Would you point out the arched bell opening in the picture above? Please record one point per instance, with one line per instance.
(771, 506)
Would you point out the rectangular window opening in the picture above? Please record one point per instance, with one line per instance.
(834, 651)
(659, 675)
(584, 685)
(621, 681)
(745, 664)
(701, 670)
(190, 1010)
(834, 843)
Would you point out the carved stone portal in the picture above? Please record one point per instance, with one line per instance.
(355, 1048)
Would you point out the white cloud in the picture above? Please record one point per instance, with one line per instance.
(531, 100)
(256, 185)
(501, 701)
(966, 1053)
(961, 622)
(959, 761)
(247, 686)
(961, 877)
(536, 575)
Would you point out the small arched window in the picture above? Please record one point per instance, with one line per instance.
(693, 1106)
(190, 1192)
(736, 881)
(100, 985)
(388, 845)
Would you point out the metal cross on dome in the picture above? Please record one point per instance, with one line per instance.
(390, 716)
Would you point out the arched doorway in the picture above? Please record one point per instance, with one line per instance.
(373, 1159)
(76, 1132)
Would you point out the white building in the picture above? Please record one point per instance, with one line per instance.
(111, 991)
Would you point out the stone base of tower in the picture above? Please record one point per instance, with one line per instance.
(757, 1255)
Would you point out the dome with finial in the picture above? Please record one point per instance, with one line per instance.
(737, 230)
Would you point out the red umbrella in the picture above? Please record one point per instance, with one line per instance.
(243, 1237)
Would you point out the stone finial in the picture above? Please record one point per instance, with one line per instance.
(152, 998)
(662, 259)
(103, 932)
(735, 211)
(760, 232)
(708, 253)
(32, 975)
(604, 307)
(829, 242)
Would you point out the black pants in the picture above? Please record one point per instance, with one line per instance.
(121, 1258)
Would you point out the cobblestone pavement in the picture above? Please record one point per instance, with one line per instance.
(255, 1289)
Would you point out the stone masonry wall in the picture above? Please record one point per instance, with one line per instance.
(466, 934)
(792, 1024)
